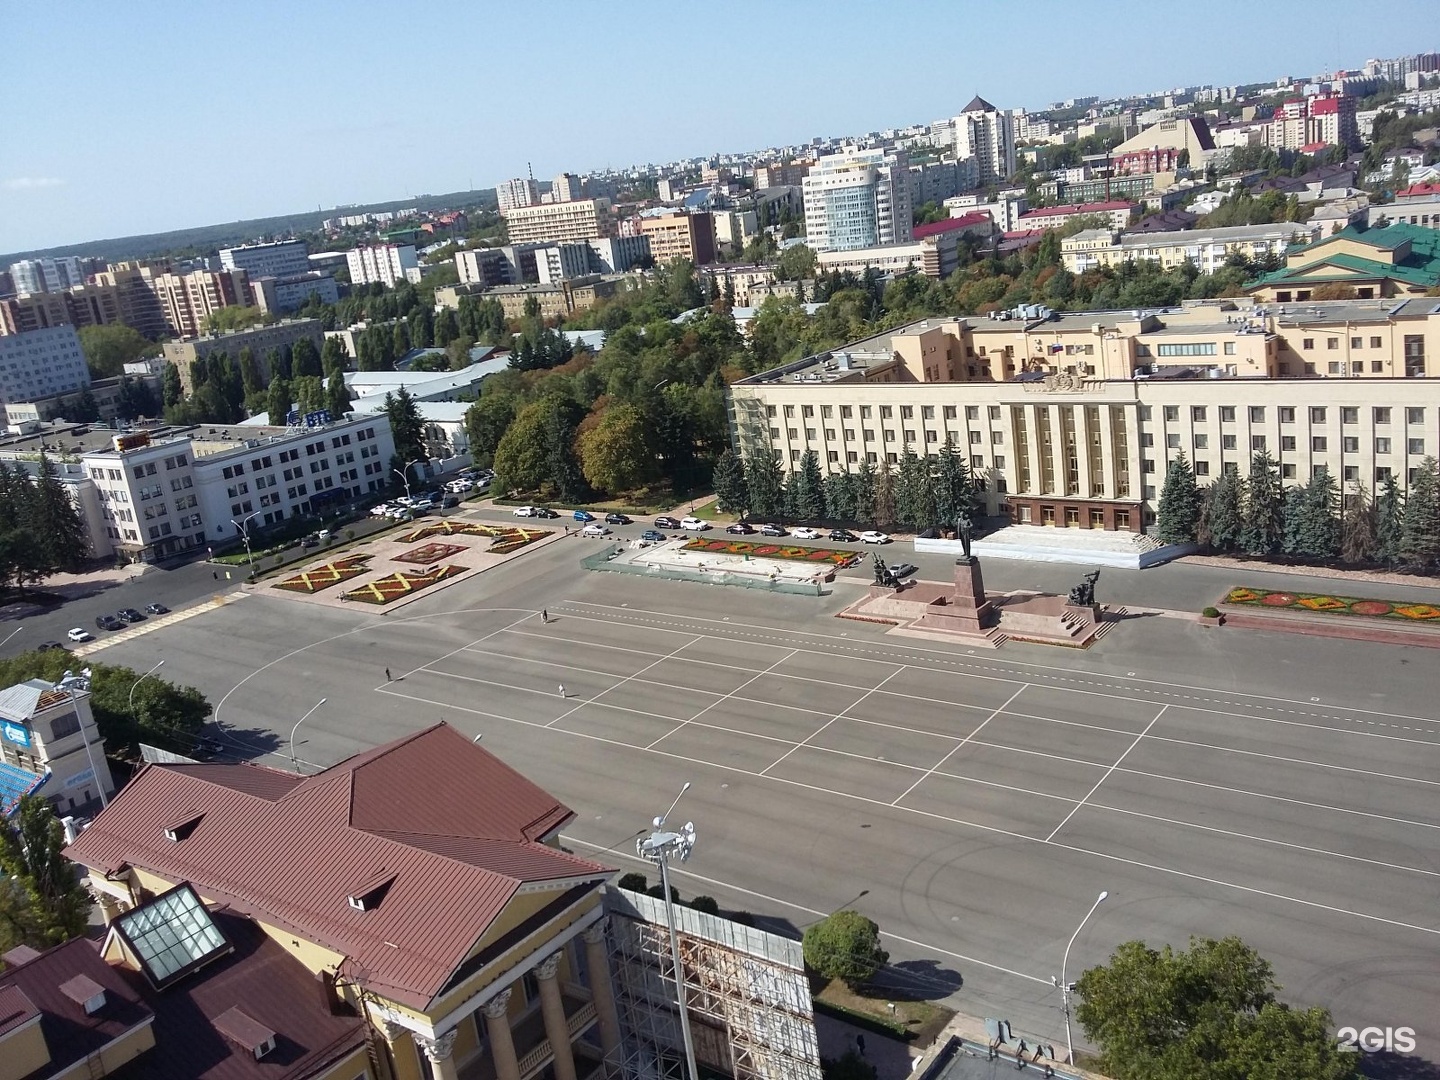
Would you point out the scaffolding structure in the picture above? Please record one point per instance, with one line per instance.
(749, 1000)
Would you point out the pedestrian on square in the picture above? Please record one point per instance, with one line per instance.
(860, 1042)
(562, 690)
(544, 615)
(387, 674)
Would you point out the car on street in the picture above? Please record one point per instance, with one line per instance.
(616, 519)
(666, 522)
(129, 614)
(79, 633)
(448, 501)
(398, 513)
(740, 528)
(694, 524)
(157, 609)
(526, 511)
(309, 541)
(584, 515)
(773, 530)
(380, 510)
(594, 529)
(874, 536)
(904, 569)
(109, 622)
(653, 535)
(46, 646)
(544, 512)
(842, 536)
(460, 487)
(805, 533)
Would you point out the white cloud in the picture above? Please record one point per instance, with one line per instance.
(32, 183)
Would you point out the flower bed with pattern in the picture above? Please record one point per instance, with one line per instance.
(387, 589)
(427, 554)
(1325, 604)
(773, 551)
(322, 577)
(452, 528)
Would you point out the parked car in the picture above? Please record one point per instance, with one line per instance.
(773, 530)
(805, 533)
(594, 529)
(109, 622)
(904, 569)
(157, 609)
(694, 524)
(616, 519)
(584, 515)
(79, 633)
(544, 512)
(666, 522)
(653, 535)
(873, 536)
(380, 510)
(842, 536)
(129, 614)
(46, 646)
(740, 528)
(309, 541)
(460, 487)
(526, 511)
(448, 501)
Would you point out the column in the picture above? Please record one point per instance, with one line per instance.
(601, 989)
(502, 1043)
(553, 1009)
(438, 1053)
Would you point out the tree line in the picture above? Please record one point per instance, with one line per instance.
(1256, 514)
(42, 531)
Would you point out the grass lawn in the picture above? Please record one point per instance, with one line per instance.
(913, 1021)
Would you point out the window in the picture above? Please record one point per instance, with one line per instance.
(977, 461)
(1319, 444)
(1382, 446)
(1350, 444)
(809, 433)
(830, 455)
(769, 411)
(1414, 416)
(827, 411)
(1287, 471)
(1257, 442)
(927, 412)
(884, 412)
(1307, 343)
(1415, 446)
(994, 412)
(1147, 438)
(1147, 465)
(1202, 442)
(1375, 343)
(1227, 414)
(1334, 367)
(1202, 348)
(1382, 474)
(1172, 413)
(845, 412)
(1197, 413)
(1229, 348)
(997, 437)
(972, 412)
(1287, 443)
(789, 432)
(868, 434)
(1144, 414)
(789, 411)
(999, 461)
(864, 412)
(909, 435)
(1351, 474)
(1172, 441)
(807, 410)
(1355, 342)
(1257, 414)
(1227, 442)
(1202, 468)
(930, 436)
(889, 434)
(1382, 415)
(907, 412)
(1317, 414)
(1332, 343)
(974, 437)
(1377, 367)
(849, 434)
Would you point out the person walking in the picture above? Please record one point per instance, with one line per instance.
(544, 615)
(860, 1042)
(387, 674)
(562, 690)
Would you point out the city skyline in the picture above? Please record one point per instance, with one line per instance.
(315, 107)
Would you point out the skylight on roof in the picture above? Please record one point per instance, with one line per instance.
(172, 935)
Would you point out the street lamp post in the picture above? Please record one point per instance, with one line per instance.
(12, 634)
(404, 475)
(240, 527)
(130, 702)
(1067, 987)
(68, 682)
(658, 847)
(293, 763)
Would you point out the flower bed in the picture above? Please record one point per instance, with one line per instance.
(508, 540)
(1325, 604)
(430, 553)
(387, 589)
(773, 551)
(448, 527)
(332, 573)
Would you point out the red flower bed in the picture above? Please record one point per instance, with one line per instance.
(322, 577)
(773, 551)
(1326, 604)
(393, 587)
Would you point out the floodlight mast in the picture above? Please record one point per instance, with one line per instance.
(658, 847)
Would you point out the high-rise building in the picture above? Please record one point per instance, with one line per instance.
(522, 191)
(567, 187)
(988, 135)
(284, 258)
(188, 300)
(1325, 118)
(680, 235)
(39, 363)
(580, 219)
(857, 199)
(385, 263)
(52, 275)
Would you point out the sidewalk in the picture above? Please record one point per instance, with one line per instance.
(893, 1058)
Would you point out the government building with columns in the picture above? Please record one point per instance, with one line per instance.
(420, 883)
(1070, 419)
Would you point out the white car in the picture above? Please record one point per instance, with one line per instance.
(525, 511)
(380, 510)
(594, 529)
(459, 487)
(874, 537)
(79, 633)
(694, 524)
(805, 534)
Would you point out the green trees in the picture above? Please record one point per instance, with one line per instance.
(1312, 524)
(614, 453)
(1178, 515)
(796, 263)
(1420, 525)
(537, 451)
(732, 495)
(305, 359)
(883, 505)
(1263, 514)
(171, 388)
(333, 356)
(406, 426)
(1389, 519)
(766, 482)
(844, 945)
(954, 486)
(809, 490)
(278, 399)
(337, 395)
(109, 348)
(41, 530)
(45, 898)
(1206, 1013)
(485, 423)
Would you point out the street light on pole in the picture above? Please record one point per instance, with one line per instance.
(1067, 987)
(68, 682)
(404, 475)
(130, 702)
(293, 763)
(12, 634)
(659, 846)
(240, 527)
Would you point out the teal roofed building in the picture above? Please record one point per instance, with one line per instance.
(1374, 263)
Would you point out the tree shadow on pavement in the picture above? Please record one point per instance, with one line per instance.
(1388, 1066)
(918, 980)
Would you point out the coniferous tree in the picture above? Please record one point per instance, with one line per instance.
(56, 521)
(808, 486)
(840, 496)
(1264, 507)
(1222, 522)
(1420, 526)
(911, 477)
(333, 356)
(731, 493)
(407, 428)
(953, 485)
(337, 396)
(1358, 542)
(1389, 520)
(884, 502)
(864, 490)
(766, 484)
(171, 388)
(1178, 515)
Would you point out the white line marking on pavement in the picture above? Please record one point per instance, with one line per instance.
(722, 700)
(958, 746)
(627, 678)
(766, 771)
(1107, 773)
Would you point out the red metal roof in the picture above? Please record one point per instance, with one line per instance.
(965, 221)
(458, 828)
(1076, 208)
(1418, 191)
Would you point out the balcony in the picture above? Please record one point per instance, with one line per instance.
(533, 1049)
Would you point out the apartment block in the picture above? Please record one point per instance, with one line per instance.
(781, 174)
(1057, 217)
(522, 191)
(40, 363)
(986, 134)
(1071, 420)
(1323, 119)
(567, 187)
(52, 275)
(279, 295)
(388, 264)
(679, 235)
(1206, 249)
(258, 339)
(283, 258)
(580, 219)
(858, 199)
(188, 300)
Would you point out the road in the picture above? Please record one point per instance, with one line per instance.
(973, 803)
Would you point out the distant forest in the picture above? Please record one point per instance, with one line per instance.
(207, 238)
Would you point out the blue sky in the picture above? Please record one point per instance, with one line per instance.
(146, 115)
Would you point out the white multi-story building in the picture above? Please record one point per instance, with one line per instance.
(1205, 249)
(522, 191)
(858, 199)
(284, 258)
(41, 363)
(51, 275)
(164, 497)
(988, 135)
(385, 263)
(50, 746)
(567, 187)
(581, 219)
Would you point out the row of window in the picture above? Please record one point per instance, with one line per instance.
(888, 434)
(907, 412)
(1319, 444)
(1349, 414)
(1288, 471)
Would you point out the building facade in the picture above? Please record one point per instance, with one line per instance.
(1057, 217)
(521, 191)
(858, 199)
(388, 264)
(283, 258)
(188, 300)
(680, 235)
(48, 733)
(579, 219)
(41, 363)
(1206, 249)
(1163, 147)
(285, 294)
(986, 134)
(258, 339)
(52, 275)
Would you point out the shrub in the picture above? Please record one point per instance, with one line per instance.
(845, 946)
(658, 891)
(1211, 613)
(634, 882)
(706, 904)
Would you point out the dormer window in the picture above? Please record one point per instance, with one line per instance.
(85, 992)
(367, 895)
(182, 827)
(245, 1031)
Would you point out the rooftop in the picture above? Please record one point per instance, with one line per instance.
(1076, 208)
(442, 817)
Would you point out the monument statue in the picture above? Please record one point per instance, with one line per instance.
(1083, 595)
(964, 529)
(883, 576)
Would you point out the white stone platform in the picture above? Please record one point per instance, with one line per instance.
(673, 556)
(1086, 547)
